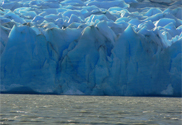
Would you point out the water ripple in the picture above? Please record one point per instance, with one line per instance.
(41, 109)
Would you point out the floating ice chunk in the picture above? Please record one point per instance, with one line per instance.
(164, 21)
(73, 92)
(168, 91)
(152, 11)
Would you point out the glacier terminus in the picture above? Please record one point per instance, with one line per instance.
(91, 47)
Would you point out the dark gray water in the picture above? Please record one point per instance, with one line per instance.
(52, 109)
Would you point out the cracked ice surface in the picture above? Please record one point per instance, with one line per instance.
(91, 47)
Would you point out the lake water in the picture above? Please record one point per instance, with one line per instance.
(101, 110)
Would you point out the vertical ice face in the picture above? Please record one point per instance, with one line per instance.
(4, 37)
(86, 47)
(28, 60)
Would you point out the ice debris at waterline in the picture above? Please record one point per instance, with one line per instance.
(91, 47)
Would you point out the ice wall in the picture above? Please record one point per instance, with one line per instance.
(120, 47)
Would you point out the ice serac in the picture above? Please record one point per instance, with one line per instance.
(4, 37)
(28, 60)
(91, 47)
(145, 64)
(85, 65)
(108, 4)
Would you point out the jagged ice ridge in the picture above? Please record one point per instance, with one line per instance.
(91, 47)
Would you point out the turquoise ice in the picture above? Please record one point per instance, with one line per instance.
(91, 47)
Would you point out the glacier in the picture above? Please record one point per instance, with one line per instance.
(91, 47)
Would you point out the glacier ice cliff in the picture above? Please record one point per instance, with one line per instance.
(85, 47)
